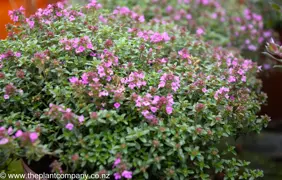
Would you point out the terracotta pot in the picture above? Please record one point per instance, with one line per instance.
(29, 174)
(30, 5)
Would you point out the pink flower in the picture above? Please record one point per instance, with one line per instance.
(117, 161)
(73, 80)
(266, 66)
(81, 119)
(33, 136)
(204, 90)
(69, 126)
(175, 86)
(22, 9)
(67, 47)
(117, 176)
(141, 19)
(154, 109)
(241, 72)
(165, 36)
(162, 84)
(267, 34)
(252, 47)
(94, 4)
(90, 46)
(177, 17)
(93, 54)
(71, 18)
(222, 90)
(127, 174)
(184, 54)
(59, 14)
(103, 93)
(244, 78)
(205, 2)
(117, 105)
(4, 141)
(169, 109)
(214, 16)
(169, 9)
(188, 16)
(84, 78)
(200, 31)
(102, 19)
(147, 115)
(10, 130)
(18, 54)
(60, 5)
(101, 71)
(231, 79)
(156, 38)
(156, 99)
(80, 49)
(19, 133)
(30, 23)
(6, 96)
(174, 81)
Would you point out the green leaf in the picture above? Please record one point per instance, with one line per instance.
(276, 7)
(146, 175)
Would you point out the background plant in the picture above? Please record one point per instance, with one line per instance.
(224, 23)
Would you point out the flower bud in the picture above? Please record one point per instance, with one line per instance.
(2, 75)
(75, 157)
(199, 130)
(108, 43)
(156, 143)
(199, 107)
(142, 47)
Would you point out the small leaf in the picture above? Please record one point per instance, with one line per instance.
(275, 6)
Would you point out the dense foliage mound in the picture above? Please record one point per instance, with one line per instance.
(107, 92)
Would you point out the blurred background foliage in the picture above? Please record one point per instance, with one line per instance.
(268, 8)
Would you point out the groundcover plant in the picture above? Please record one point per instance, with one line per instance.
(107, 92)
(225, 23)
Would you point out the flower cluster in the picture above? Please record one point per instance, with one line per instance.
(118, 164)
(77, 44)
(154, 37)
(149, 105)
(108, 60)
(7, 134)
(126, 12)
(218, 20)
(65, 115)
(135, 79)
(237, 70)
(54, 12)
(16, 15)
(9, 54)
(250, 26)
(11, 90)
(168, 80)
(94, 4)
(223, 91)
